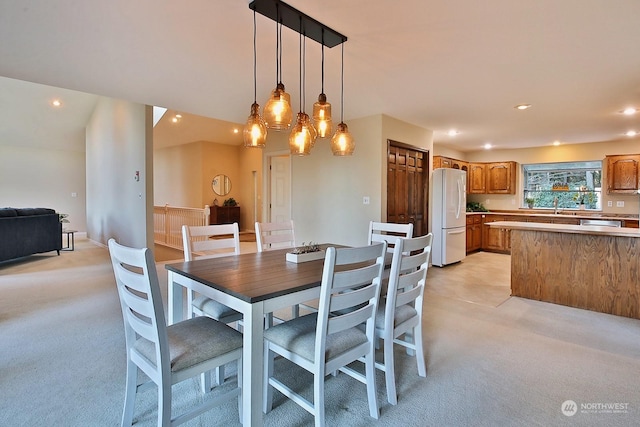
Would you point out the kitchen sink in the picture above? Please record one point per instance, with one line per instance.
(604, 222)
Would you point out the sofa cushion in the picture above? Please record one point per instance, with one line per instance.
(34, 211)
(7, 212)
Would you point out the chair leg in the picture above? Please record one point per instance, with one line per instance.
(409, 337)
(318, 398)
(267, 403)
(220, 375)
(370, 370)
(295, 311)
(240, 387)
(205, 382)
(389, 371)
(164, 404)
(130, 393)
(422, 367)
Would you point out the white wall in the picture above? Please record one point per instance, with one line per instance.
(327, 190)
(39, 177)
(119, 143)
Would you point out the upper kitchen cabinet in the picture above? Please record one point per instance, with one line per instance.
(476, 178)
(623, 174)
(447, 162)
(501, 178)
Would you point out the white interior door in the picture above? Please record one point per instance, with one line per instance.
(279, 188)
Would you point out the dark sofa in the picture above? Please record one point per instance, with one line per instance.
(28, 231)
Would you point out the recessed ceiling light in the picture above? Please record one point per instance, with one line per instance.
(453, 132)
(556, 143)
(178, 116)
(631, 133)
(522, 106)
(56, 103)
(487, 146)
(629, 111)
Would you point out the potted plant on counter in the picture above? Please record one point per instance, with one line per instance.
(530, 202)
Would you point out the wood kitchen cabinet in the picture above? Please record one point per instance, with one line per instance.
(224, 215)
(497, 239)
(474, 233)
(501, 178)
(448, 162)
(623, 174)
(476, 178)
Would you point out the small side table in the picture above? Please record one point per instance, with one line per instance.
(71, 240)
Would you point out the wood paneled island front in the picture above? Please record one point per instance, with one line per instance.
(590, 267)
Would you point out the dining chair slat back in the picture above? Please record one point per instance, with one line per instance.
(340, 332)
(159, 350)
(275, 235)
(210, 241)
(399, 319)
(388, 232)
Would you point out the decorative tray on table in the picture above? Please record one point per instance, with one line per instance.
(304, 253)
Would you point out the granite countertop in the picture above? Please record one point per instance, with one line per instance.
(566, 228)
(572, 214)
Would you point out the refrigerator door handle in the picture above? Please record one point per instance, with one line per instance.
(459, 207)
(464, 230)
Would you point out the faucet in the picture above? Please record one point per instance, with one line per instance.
(555, 205)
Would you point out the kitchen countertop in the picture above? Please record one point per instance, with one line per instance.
(567, 228)
(573, 214)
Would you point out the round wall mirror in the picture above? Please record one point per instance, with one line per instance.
(221, 185)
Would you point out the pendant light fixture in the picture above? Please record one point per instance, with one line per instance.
(342, 143)
(277, 111)
(321, 108)
(255, 131)
(303, 135)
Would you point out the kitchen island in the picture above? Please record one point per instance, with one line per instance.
(590, 267)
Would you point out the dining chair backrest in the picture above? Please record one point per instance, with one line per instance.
(210, 241)
(388, 232)
(275, 235)
(349, 294)
(141, 303)
(401, 315)
(329, 340)
(166, 354)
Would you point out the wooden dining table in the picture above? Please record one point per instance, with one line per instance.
(254, 284)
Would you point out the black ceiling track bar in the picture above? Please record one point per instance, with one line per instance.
(290, 17)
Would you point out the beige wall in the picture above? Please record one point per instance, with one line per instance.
(119, 143)
(561, 153)
(327, 191)
(183, 175)
(40, 177)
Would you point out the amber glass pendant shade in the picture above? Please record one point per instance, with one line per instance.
(255, 131)
(342, 143)
(322, 116)
(303, 136)
(277, 111)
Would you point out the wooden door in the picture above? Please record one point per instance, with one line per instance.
(407, 186)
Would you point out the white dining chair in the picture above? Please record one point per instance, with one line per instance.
(167, 354)
(388, 232)
(275, 235)
(331, 338)
(399, 317)
(210, 241)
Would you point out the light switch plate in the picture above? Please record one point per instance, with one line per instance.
(609, 203)
(620, 204)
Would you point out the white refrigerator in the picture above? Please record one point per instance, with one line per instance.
(449, 222)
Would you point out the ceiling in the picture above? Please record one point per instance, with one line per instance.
(438, 64)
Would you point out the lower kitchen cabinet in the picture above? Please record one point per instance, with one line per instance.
(474, 233)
